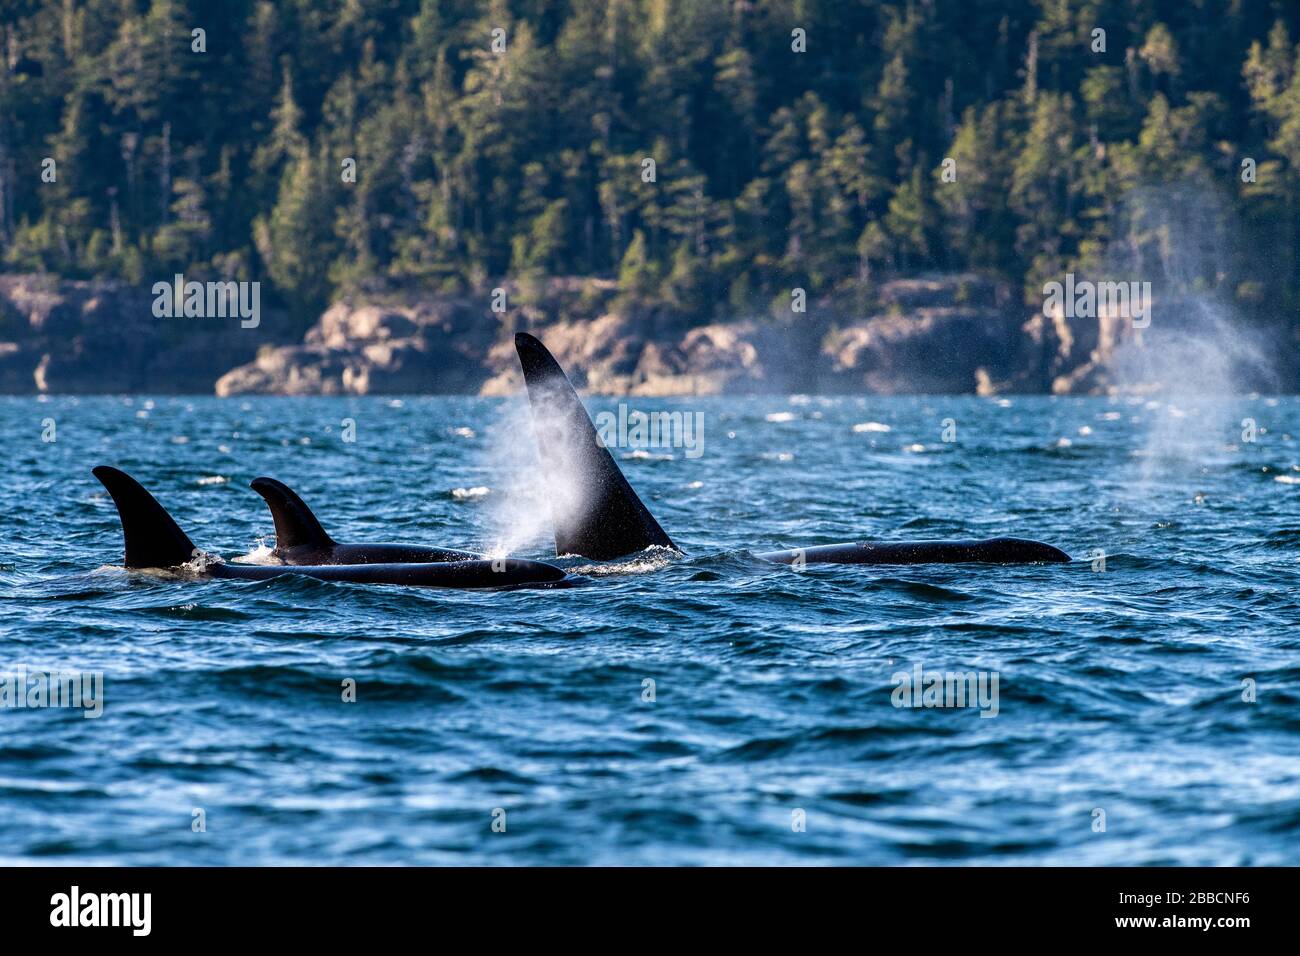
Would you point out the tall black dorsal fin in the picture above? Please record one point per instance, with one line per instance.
(295, 525)
(596, 512)
(153, 539)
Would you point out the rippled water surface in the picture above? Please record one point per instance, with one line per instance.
(1120, 690)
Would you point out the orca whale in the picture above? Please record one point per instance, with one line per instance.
(595, 511)
(300, 539)
(154, 540)
(958, 551)
(610, 521)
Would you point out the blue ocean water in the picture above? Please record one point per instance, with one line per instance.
(1124, 690)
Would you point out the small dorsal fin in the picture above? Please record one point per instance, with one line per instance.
(153, 539)
(596, 512)
(295, 525)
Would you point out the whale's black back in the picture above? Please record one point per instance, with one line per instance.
(596, 512)
(154, 540)
(960, 551)
(301, 540)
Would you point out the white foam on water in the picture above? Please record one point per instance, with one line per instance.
(261, 554)
(651, 559)
(471, 494)
(642, 454)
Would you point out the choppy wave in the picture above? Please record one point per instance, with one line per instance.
(705, 707)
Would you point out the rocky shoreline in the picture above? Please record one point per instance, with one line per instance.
(937, 334)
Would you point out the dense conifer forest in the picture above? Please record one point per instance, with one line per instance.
(709, 154)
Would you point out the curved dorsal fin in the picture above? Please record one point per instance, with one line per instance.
(596, 512)
(295, 525)
(153, 539)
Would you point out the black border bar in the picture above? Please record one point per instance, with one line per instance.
(926, 905)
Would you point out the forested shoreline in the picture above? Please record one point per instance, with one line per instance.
(794, 144)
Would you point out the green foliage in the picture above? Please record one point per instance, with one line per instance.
(772, 168)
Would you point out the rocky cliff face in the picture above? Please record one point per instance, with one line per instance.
(70, 337)
(438, 347)
(949, 334)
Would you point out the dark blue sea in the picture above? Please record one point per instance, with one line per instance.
(1148, 693)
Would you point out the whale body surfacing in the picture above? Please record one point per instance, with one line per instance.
(960, 551)
(596, 513)
(300, 539)
(154, 540)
